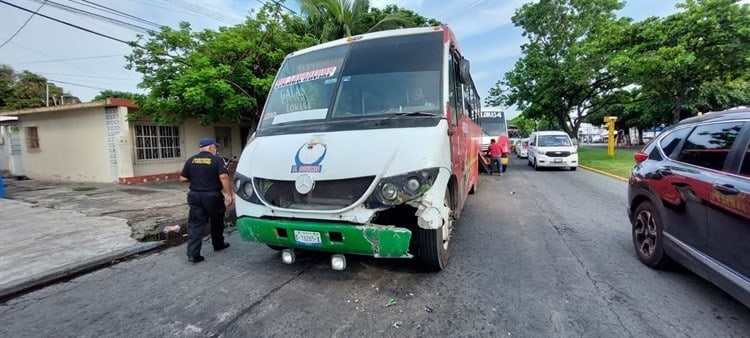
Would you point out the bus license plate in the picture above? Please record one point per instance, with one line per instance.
(307, 237)
(558, 160)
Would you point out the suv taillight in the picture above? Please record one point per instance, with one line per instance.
(640, 157)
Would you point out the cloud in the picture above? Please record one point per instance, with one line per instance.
(466, 18)
(468, 22)
(495, 52)
(83, 63)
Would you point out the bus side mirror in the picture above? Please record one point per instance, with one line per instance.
(464, 71)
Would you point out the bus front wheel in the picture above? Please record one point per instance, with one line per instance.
(433, 245)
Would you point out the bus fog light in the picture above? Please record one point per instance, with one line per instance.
(412, 185)
(338, 262)
(389, 192)
(288, 256)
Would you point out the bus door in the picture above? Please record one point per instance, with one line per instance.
(457, 130)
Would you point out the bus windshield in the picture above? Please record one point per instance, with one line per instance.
(369, 79)
(493, 123)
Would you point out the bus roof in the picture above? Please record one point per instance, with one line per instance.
(379, 35)
(498, 109)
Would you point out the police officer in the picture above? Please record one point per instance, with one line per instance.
(208, 177)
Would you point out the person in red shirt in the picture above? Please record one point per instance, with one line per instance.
(496, 152)
(504, 143)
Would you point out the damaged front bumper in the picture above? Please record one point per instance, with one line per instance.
(373, 240)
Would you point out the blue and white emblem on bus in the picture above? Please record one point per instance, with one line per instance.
(308, 158)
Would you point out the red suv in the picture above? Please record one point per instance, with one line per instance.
(689, 199)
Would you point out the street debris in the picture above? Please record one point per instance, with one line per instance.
(397, 324)
(428, 309)
(391, 302)
(172, 228)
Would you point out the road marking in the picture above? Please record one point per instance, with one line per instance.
(604, 173)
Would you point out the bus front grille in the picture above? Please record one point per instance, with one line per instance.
(326, 195)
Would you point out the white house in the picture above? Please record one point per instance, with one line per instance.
(95, 142)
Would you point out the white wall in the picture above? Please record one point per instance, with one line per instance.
(191, 133)
(72, 146)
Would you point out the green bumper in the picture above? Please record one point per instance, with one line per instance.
(373, 240)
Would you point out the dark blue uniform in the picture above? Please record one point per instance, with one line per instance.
(205, 200)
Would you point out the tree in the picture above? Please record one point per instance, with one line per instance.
(105, 94)
(525, 126)
(25, 90)
(221, 75)
(334, 19)
(564, 67)
(695, 60)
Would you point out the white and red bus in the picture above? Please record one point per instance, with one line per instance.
(366, 145)
(493, 123)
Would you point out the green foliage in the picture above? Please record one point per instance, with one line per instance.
(597, 158)
(564, 67)
(24, 90)
(619, 165)
(580, 59)
(214, 75)
(525, 125)
(105, 94)
(329, 20)
(694, 60)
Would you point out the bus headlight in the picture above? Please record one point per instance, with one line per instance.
(247, 188)
(412, 185)
(243, 188)
(402, 188)
(389, 192)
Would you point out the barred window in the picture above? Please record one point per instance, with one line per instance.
(32, 138)
(155, 142)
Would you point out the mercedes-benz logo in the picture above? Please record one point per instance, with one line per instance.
(304, 184)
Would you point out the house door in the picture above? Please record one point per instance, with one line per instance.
(16, 163)
(224, 138)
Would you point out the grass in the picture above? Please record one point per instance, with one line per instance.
(596, 157)
(83, 188)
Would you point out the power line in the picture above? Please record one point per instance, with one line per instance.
(122, 14)
(465, 9)
(68, 24)
(24, 24)
(49, 56)
(203, 11)
(76, 84)
(97, 16)
(70, 59)
(89, 77)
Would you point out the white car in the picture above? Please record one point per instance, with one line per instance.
(522, 148)
(552, 149)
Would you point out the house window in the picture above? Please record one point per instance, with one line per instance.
(32, 139)
(156, 142)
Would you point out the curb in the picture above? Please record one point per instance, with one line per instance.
(71, 270)
(604, 173)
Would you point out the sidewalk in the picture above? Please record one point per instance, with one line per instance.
(51, 230)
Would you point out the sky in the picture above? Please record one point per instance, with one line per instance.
(84, 64)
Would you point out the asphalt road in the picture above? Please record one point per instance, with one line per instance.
(544, 253)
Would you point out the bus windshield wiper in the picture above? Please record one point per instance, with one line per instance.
(404, 114)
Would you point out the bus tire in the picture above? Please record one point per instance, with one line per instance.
(433, 248)
(473, 189)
